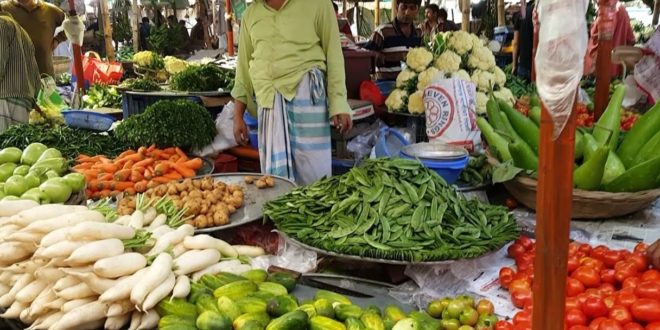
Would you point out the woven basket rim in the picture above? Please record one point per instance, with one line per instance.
(588, 194)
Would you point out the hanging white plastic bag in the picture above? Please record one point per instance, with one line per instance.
(74, 28)
(560, 56)
(224, 125)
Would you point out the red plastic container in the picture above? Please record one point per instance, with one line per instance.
(226, 163)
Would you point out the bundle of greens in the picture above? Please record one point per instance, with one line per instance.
(102, 96)
(141, 84)
(167, 123)
(394, 209)
(202, 78)
(70, 141)
(477, 172)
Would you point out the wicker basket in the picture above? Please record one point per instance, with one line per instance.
(61, 64)
(587, 204)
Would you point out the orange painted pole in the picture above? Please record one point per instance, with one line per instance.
(77, 56)
(606, 12)
(230, 29)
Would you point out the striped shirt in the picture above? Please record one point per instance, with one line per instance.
(19, 73)
(393, 45)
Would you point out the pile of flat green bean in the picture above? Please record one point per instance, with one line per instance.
(393, 209)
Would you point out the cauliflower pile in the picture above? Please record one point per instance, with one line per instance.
(148, 60)
(464, 56)
(174, 65)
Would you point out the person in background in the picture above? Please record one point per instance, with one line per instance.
(623, 36)
(430, 25)
(39, 19)
(145, 31)
(290, 57)
(444, 24)
(523, 42)
(19, 73)
(653, 252)
(197, 40)
(344, 26)
(394, 39)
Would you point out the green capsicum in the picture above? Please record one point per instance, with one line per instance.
(523, 156)
(650, 149)
(637, 178)
(643, 130)
(608, 127)
(524, 126)
(589, 175)
(497, 143)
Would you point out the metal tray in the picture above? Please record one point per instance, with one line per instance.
(254, 198)
(434, 151)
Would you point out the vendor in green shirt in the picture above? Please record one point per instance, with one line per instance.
(290, 60)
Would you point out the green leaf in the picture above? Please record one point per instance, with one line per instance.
(505, 171)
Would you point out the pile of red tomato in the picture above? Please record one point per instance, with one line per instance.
(605, 290)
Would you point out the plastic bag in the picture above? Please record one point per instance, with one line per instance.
(560, 56)
(289, 256)
(362, 144)
(96, 70)
(50, 102)
(74, 28)
(224, 124)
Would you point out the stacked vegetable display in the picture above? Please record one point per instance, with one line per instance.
(602, 162)
(35, 173)
(70, 267)
(392, 209)
(605, 288)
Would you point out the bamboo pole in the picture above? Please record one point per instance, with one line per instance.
(230, 29)
(465, 10)
(376, 13)
(344, 8)
(107, 31)
(606, 12)
(135, 10)
(656, 13)
(501, 20)
(77, 56)
(395, 8)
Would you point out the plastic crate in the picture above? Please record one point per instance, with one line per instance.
(88, 120)
(134, 102)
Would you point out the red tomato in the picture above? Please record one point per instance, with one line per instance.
(573, 303)
(625, 298)
(595, 323)
(579, 327)
(624, 270)
(521, 298)
(611, 257)
(572, 264)
(607, 276)
(575, 317)
(573, 287)
(523, 326)
(526, 242)
(610, 325)
(609, 301)
(653, 326)
(514, 250)
(632, 326)
(585, 248)
(573, 248)
(594, 263)
(503, 325)
(640, 247)
(607, 289)
(621, 314)
(651, 275)
(646, 310)
(594, 307)
(505, 281)
(598, 252)
(640, 260)
(522, 317)
(631, 282)
(587, 275)
(520, 284)
(507, 271)
(648, 289)
(525, 260)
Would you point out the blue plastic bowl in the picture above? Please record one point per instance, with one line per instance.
(254, 138)
(386, 86)
(88, 120)
(250, 121)
(447, 169)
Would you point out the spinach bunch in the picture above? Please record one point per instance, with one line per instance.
(202, 78)
(169, 123)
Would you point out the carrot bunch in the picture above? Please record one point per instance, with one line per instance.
(134, 171)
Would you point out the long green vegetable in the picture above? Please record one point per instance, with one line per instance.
(392, 209)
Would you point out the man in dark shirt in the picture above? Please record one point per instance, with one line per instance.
(394, 39)
(145, 30)
(444, 24)
(523, 39)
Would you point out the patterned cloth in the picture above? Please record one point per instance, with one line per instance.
(12, 112)
(294, 136)
(19, 73)
(393, 45)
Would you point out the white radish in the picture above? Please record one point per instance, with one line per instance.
(31, 291)
(7, 230)
(222, 266)
(65, 282)
(100, 231)
(150, 215)
(50, 275)
(117, 322)
(44, 212)
(10, 208)
(159, 293)
(47, 321)
(97, 284)
(55, 304)
(62, 249)
(249, 251)
(4, 289)
(123, 288)
(120, 308)
(40, 322)
(158, 272)
(54, 237)
(195, 260)
(91, 312)
(27, 266)
(137, 220)
(25, 237)
(158, 232)
(63, 221)
(135, 320)
(79, 291)
(94, 325)
(57, 262)
(239, 269)
(201, 242)
(40, 304)
(5, 277)
(96, 250)
(73, 304)
(123, 220)
(13, 252)
(14, 311)
(121, 265)
(26, 317)
(10, 296)
(149, 320)
(171, 239)
(178, 250)
(160, 220)
(181, 287)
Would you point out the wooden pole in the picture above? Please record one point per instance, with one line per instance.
(395, 8)
(77, 56)
(376, 13)
(656, 13)
(501, 21)
(230, 29)
(606, 12)
(135, 10)
(465, 10)
(107, 31)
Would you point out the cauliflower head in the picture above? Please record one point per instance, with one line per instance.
(448, 62)
(418, 59)
(482, 99)
(500, 76)
(483, 79)
(505, 95)
(416, 102)
(174, 65)
(144, 58)
(481, 58)
(462, 74)
(404, 77)
(426, 77)
(460, 42)
(397, 100)
(476, 41)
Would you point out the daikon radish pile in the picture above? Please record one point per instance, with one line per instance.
(74, 267)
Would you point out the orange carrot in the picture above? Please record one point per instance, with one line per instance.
(83, 166)
(170, 151)
(162, 168)
(129, 164)
(184, 171)
(173, 176)
(195, 164)
(122, 175)
(105, 177)
(141, 186)
(161, 179)
(105, 160)
(182, 160)
(151, 148)
(144, 163)
(83, 158)
(152, 184)
(180, 152)
(134, 157)
(148, 174)
(126, 153)
(121, 185)
(136, 176)
(108, 168)
(142, 150)
(130, 191)
(104, 193)
(174, 158)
